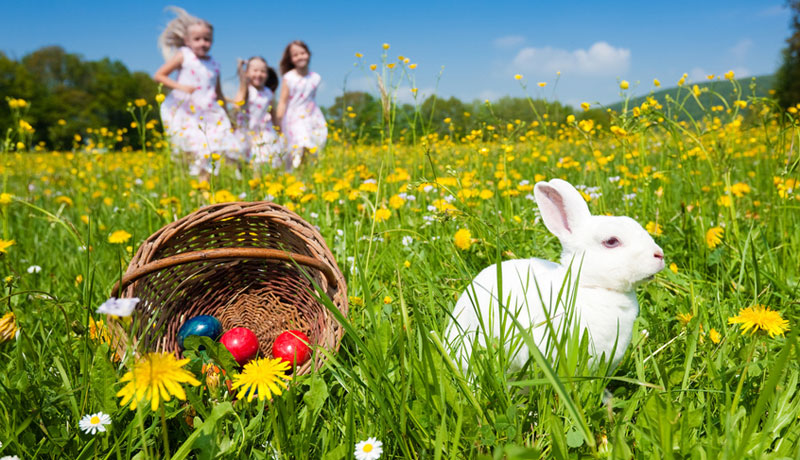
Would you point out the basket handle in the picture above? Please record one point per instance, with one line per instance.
(223, 253)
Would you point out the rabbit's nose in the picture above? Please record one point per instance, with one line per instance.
(659, 255)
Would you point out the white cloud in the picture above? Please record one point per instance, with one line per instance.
(509, 41)
(740, 49)
(601, 59)
(698, 75)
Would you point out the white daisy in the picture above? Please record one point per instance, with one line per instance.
(371, 449)
(118, 307)
(34, 269)
(92, 423)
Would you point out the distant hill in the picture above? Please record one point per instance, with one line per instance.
(724, 87)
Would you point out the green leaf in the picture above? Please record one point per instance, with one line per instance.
(103, 377)
(574, 438)
(206, 430)
(200, 347)
(317, 394)
(338, 453)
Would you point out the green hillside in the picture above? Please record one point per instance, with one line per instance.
(750, 86)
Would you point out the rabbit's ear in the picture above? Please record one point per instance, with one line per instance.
(562, 207)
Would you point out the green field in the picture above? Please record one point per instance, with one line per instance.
(718, 191)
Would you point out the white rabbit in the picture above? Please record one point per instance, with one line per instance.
(609, 255)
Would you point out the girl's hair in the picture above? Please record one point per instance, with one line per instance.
(286, 60)
(174, 35)
(272, 76)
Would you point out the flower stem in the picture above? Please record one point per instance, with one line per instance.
(164, 431)
(738, 393)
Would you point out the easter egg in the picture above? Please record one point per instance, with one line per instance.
(203, 325)
(242, 343)
(291, 346)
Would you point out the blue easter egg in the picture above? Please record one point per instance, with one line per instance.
(204, 325)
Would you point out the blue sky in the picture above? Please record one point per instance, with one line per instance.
(481, 45)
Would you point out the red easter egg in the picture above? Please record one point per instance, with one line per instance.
(292, 343)
(242, 343)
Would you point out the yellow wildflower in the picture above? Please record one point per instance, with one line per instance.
(119, 237)
(760, 317)
(4, 245)
(463, 239)
(714, 237)
(382, 214)
(154, 377)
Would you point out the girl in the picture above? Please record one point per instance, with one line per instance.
(193, 113)
(257, 85)
(299, 116)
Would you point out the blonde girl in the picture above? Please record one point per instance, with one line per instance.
(193, 113)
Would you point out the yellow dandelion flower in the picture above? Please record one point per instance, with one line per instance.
(396, 202)
(140, 102)
(263, 378)
(684, 318)
(714, 335)
(160, 98)
(585, 106)
(154, 377)
(359, 55)
(4, 245)
(760, 318)
(6, 198)
(656, 82)
(542, 84)
(654, 228)
(386, 46)
(517, 77)
(119, 237)
(714, 237)
(387, 300)
(624, 84)
(463, 239)
(8, 327)
(412, 66)
(224, 196)
(382, 214)
(673, 267)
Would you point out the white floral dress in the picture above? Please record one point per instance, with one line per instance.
(254, 129)
(303, 124)
(195, 122)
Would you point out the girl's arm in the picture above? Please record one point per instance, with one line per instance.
(282, 101)
(241, 93)
(162, 74)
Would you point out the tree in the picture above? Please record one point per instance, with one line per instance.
(787, 86)
(68, 95)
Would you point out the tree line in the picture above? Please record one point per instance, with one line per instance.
(66, 94)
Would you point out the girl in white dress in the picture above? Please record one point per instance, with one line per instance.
(255, 112)
(193, 113)
(301, 120)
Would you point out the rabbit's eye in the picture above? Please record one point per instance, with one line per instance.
(612, 242)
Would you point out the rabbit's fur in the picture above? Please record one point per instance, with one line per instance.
(609, 255)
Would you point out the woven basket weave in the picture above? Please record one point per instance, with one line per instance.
(246, 263)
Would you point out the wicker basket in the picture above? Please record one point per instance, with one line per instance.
(246, 263)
